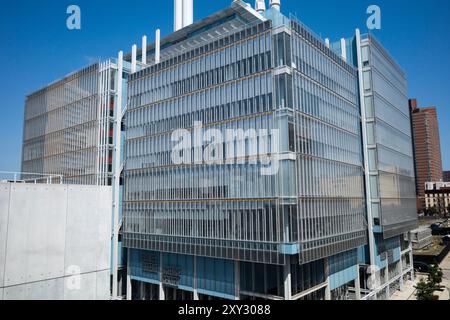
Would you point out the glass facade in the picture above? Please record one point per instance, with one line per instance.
(327, 143)
(68, 127)
(263, 78)
(224, 225)
(389, 141)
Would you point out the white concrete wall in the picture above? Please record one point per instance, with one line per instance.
(4, 210)
(49, 231)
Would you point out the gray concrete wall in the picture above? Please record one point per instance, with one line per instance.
(4, 211)
(55, 242)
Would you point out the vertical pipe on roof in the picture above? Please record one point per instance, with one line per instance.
(276, 4)
(144, 49)
(260, 6)
(327, 43)
(133, 58)
(178, 15)
(343, 49)
(188, 12)
(157, 46)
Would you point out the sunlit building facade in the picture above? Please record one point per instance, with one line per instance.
(225, 230)
(259, 161)
(386, 262)
(69, 127)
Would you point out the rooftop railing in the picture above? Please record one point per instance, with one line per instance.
(26, 177)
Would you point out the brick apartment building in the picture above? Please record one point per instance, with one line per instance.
(427, 148)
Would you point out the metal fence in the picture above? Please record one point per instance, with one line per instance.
(25, 177)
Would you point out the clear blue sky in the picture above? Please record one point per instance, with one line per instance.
(37, 48)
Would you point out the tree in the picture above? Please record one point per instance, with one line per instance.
(435, 276)
(432, 211)
(426, 289)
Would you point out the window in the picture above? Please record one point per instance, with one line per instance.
(365, 56)
(367, 81)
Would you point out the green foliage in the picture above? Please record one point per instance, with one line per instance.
(426, 289)
(435, 275)
(432, 211)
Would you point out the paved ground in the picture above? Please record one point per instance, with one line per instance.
(409, 292)
(445, 265)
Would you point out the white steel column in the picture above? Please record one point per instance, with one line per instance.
(237, 281)
(411, 256)
(358, 284)
(196, 297)
(129, 285)
(386, 280)
(116, 178)
(162, 296)
(327, 43)
(142, 291)
(287, 279)
(411, 259)
(327, 278)
(400, 266)
(366, 155)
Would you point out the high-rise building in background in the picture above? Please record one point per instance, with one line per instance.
(247, 173)
(427, 148)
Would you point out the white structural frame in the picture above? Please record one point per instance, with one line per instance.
(366, 155)
(116, 176)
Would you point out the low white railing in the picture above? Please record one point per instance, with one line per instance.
(26, 177)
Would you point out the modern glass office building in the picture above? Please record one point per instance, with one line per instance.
(224, 229)
(389, 159)
(69, 127)
(259, 161)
